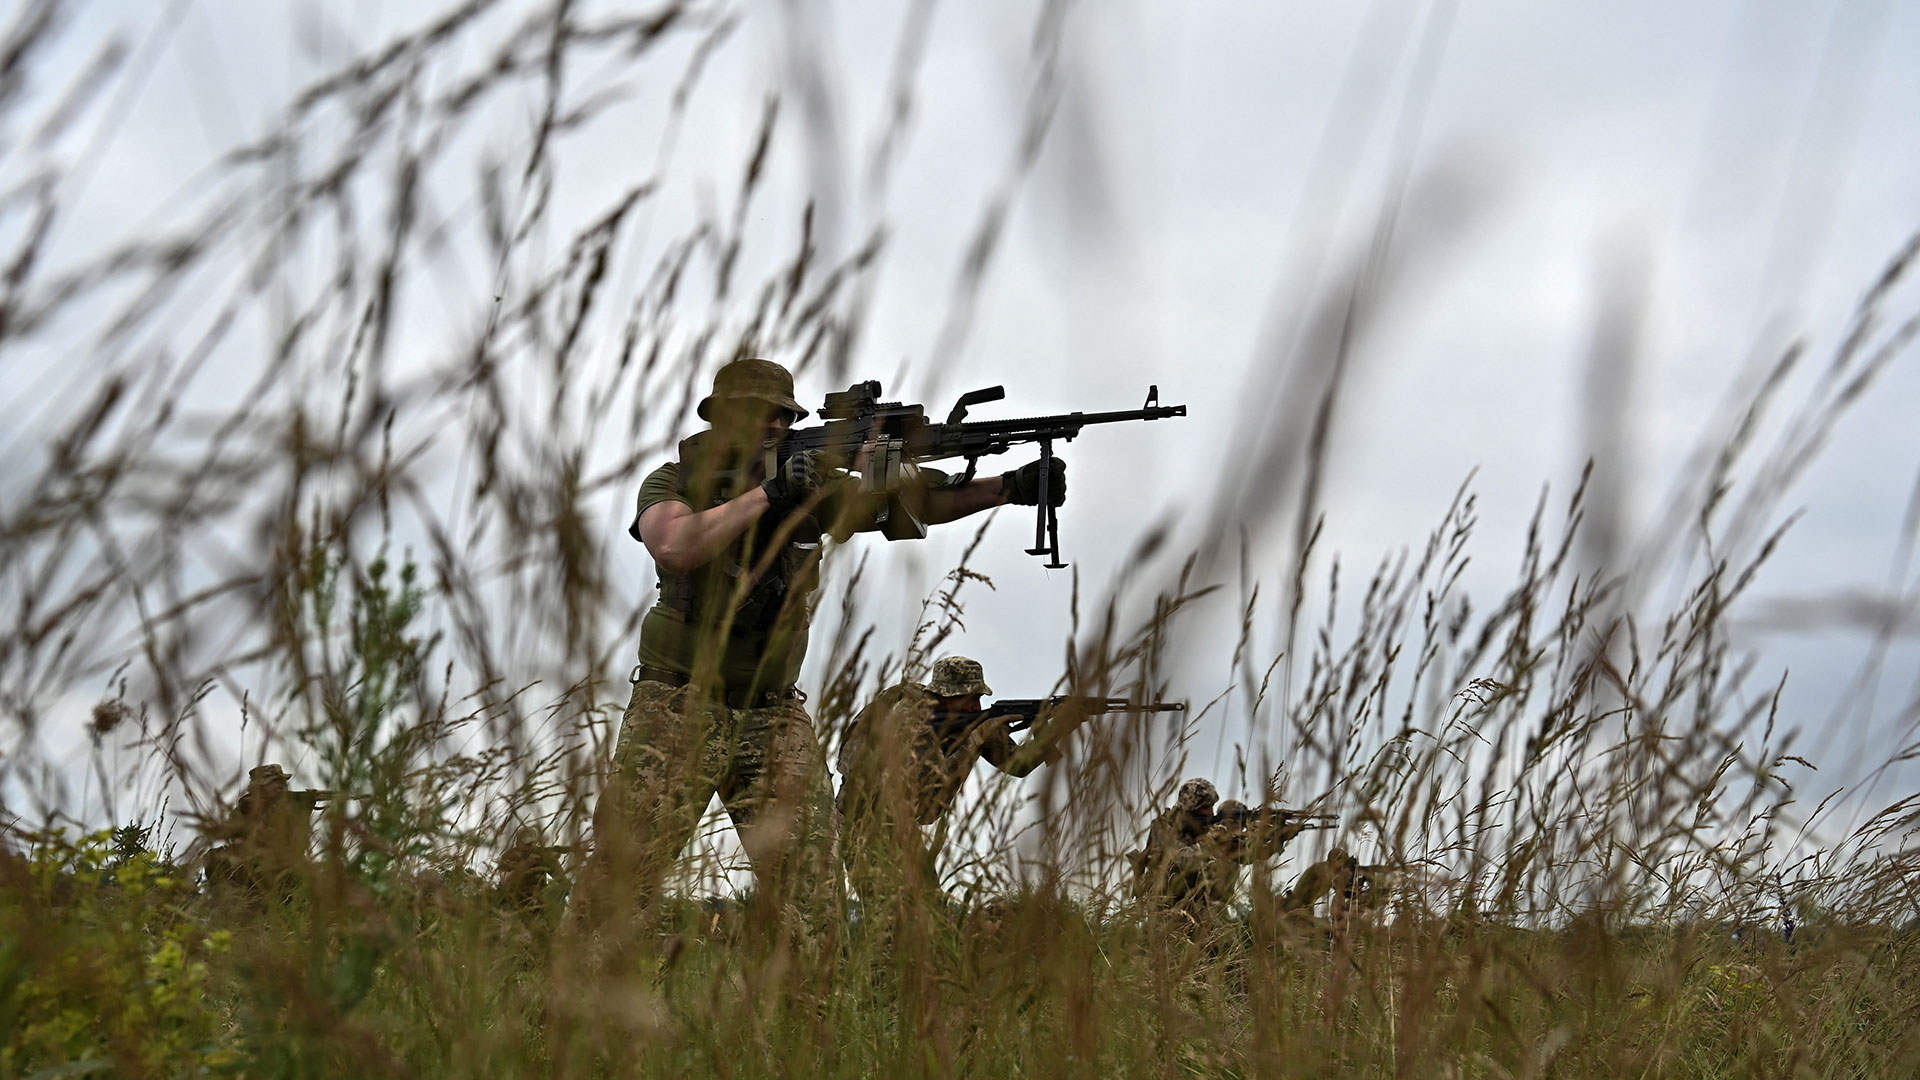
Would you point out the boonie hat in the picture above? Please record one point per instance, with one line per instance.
(752, 379)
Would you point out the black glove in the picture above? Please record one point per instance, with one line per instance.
(1022, 485)
(794, 482)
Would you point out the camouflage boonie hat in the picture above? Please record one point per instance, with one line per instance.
(1196, 795)
(261, 774)
(752, 380)
(957, 676)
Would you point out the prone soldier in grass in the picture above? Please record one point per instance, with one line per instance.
(1173, 871)
(268, 837)
(527, 869)
(1193, 855)
(906, 756)
(735, 533)
(1333, 876)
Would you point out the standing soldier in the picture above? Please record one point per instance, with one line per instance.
(714, 706)
(904, 760)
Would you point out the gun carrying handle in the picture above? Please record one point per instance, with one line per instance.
(972, 398)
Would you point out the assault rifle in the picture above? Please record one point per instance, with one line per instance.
(1240, 817)
(1020, 713)
(884, 441)
(311, 798)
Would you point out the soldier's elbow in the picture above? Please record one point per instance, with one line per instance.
(672, 559)
(672, 551)
(671, 537)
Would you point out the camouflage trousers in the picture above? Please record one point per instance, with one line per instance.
(1188, 880)
(887, 857)
(676, 750)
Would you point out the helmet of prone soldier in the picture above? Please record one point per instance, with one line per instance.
(752, 380)
(267, 774)
(957, 676)
(1230, 807)
(1196, 796)
(1338, 855)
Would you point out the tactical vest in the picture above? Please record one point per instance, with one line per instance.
(688, 593)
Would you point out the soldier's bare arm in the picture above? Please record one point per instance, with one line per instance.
(680, 538)
(954, 503)
(1020, 486)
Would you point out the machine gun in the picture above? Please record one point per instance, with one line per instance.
(884, 441)
(1020, 713)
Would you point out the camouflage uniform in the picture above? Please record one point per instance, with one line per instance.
(1177, 869)
(1336, 874)
(527, 870)
(268, 837)
(894, 747)
(678, 748)
(896, 757)
(1192, 859)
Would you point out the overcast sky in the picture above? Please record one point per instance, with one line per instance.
(1735, 174)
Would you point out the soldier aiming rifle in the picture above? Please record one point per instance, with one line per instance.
(527, 868)
(734, 528)
(269, 835)
(908, 753)
(1193, 855)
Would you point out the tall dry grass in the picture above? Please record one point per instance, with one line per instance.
(258, 507)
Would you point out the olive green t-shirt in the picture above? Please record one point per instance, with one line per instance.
(758, 653)
(763, 658)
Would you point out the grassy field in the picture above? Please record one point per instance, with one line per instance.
(115, 965)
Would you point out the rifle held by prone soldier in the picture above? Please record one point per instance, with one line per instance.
(311, 798)
(1021, 713)
(1241, 817)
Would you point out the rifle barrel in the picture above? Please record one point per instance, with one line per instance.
(1022, 713)
(976, 438)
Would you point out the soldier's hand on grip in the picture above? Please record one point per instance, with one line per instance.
(795, 481)
(1022, 485)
